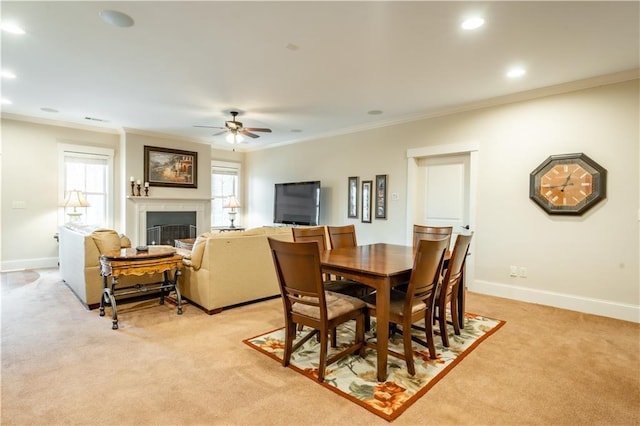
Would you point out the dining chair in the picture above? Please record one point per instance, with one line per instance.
(449, 286)
(422, 232)
(339, 284)
(345, 236)
(419, 300)
(342, 236)
(306, 302)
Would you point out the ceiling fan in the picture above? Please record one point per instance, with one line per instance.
(235, 131)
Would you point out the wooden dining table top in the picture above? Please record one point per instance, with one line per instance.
(379, 259)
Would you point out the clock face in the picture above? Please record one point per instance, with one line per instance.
(567, 184)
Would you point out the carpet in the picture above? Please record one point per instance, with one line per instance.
(355, 378)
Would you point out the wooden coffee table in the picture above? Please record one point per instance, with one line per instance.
(133, 262)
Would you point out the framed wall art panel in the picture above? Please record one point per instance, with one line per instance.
(352, 209)
(170, 167)
(366, 200)
(381, 196)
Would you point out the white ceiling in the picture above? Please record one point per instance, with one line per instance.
(190, 63)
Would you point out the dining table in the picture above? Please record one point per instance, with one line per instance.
(380, 266)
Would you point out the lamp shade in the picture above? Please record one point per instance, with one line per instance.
(231, 202)
(75, 199)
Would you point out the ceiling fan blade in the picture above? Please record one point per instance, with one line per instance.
(211, 127)
(220, 133)
(247, 133)
(257, 129)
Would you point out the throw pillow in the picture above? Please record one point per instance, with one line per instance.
(125, 242)
(106, 240)
(198, 250)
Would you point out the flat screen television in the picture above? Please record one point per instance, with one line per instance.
(297, 203)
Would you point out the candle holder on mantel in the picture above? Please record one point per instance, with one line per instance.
(138, 186)
(133, 194)
(146, 191)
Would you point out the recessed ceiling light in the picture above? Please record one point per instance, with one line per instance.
(292, 46)
(472, 23)
(5, 101)
(117, 19)
(374, 112)
(12, 28)
(296, 130)
(46, 109)
(516, 72)
(7, 74)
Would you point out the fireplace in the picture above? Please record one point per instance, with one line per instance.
(139, 207)
(163, 228)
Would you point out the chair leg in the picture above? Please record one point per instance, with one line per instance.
(290, 335)
(442, 320)
(322, 365)
(408, 350)
(454, 317)
(361, 324)
(429, 335)
(334, 338)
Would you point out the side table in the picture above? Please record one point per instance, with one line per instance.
(133, 262)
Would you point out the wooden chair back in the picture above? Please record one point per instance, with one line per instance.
(450, 286)
(425, 276)
(299, 273)
(316, 233)
(342, 236)
(421, 232)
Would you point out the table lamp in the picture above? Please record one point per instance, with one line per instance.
(75, 199)
(232, 203)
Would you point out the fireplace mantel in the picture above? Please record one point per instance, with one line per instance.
(142, 205)
(161, 199)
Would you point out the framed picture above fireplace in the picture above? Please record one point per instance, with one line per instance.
(170, 167)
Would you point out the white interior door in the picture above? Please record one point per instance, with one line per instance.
(442, 189)
(443, 192)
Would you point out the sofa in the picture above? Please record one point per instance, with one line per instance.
(231, 268)
(80, 247)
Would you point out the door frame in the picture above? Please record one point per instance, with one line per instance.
(413, 157)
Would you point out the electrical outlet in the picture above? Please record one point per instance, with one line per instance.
(395, 197)
(513, 271)
(522, 272)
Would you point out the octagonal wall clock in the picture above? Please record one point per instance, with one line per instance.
(568, 184)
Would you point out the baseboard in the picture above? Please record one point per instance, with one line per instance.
(606, 308)
(218, 310)
(20, 264)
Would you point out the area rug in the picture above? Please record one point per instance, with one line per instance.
(355, 378)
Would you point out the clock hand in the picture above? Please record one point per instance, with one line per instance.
(566, 182)
(560, 186)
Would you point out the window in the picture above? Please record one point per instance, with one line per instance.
(89, 170)
(225, 181)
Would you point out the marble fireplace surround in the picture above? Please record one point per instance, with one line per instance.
(142, 205)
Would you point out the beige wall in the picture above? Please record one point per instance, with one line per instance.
(30, 174)
(587, 263)
(133, 147)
